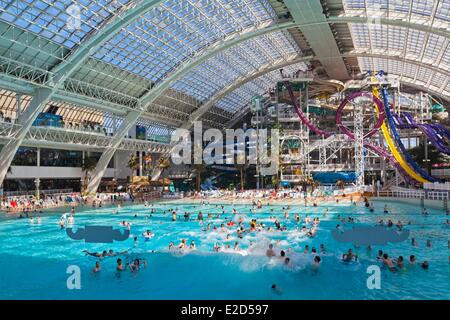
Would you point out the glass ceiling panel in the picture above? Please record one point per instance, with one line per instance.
(408, 72)
(169, 35)
(240, 61)
(411, 44)
(420, 11)
(66, 22)
(242, 96)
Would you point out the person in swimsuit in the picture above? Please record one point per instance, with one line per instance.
(120, 266)
(135, 266)
(182, 245)
(270, 252)
(97, 267)
(349, 256)
(400, 263)
(389, 263)
(96, 254)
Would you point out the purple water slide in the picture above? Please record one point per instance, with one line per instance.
(378, 150)
(302, 116)
(398, 120)
(436, 133)
(442, 130)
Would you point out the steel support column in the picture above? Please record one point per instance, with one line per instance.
(107, 155)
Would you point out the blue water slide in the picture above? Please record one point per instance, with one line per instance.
(399, 142)
(333, 177)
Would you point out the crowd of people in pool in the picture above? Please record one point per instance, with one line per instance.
(239, 227)
(236, 228)
(309, 227)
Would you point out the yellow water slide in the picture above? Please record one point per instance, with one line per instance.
(393, 148)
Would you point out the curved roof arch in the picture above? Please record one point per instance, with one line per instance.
(201, 48)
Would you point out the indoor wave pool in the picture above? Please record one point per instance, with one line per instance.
(34, 257)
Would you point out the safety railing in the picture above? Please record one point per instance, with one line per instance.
(415, 194)
(437, 195)
(437, 186)
(32, 192)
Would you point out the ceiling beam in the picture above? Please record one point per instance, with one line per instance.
(195, 116)
(320, 37)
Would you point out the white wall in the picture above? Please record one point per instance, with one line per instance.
(121, 164)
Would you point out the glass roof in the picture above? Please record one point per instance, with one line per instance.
(243, 95)
(170, 34)
(239, 61)
(409, 73)
(62, 21)
(176, 32)
(419, 11)
(416, 54)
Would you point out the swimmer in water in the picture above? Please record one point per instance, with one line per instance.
(429, 243)
(306, 249)
(412, 260)
(349, 256)
(276, 289)
(389, 263)
(287, 262)
(97, 267)
(192, 245)
(316, 263)
(386, 209)
(148, 234)
(135, 266)
(96, 254)
(380, 255)
(270, 252)
(236, 246)
(322, 248)
(120, 266)
(425, 265)
(182, 245)
(400, 263)
(171, 246)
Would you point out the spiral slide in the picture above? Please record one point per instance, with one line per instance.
(436, 133)
(380, 111)
(410, 166)
(406, 171)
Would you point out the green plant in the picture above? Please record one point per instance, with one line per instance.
(133, 163)
(163, 163)
(89, 164)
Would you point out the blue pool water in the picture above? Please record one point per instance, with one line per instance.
(34, 258)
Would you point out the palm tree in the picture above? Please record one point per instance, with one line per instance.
(133, 163)
(149, 162)
(199, 169)
(89, 164)
(163, 164)
(241, 165)
(340, 184)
